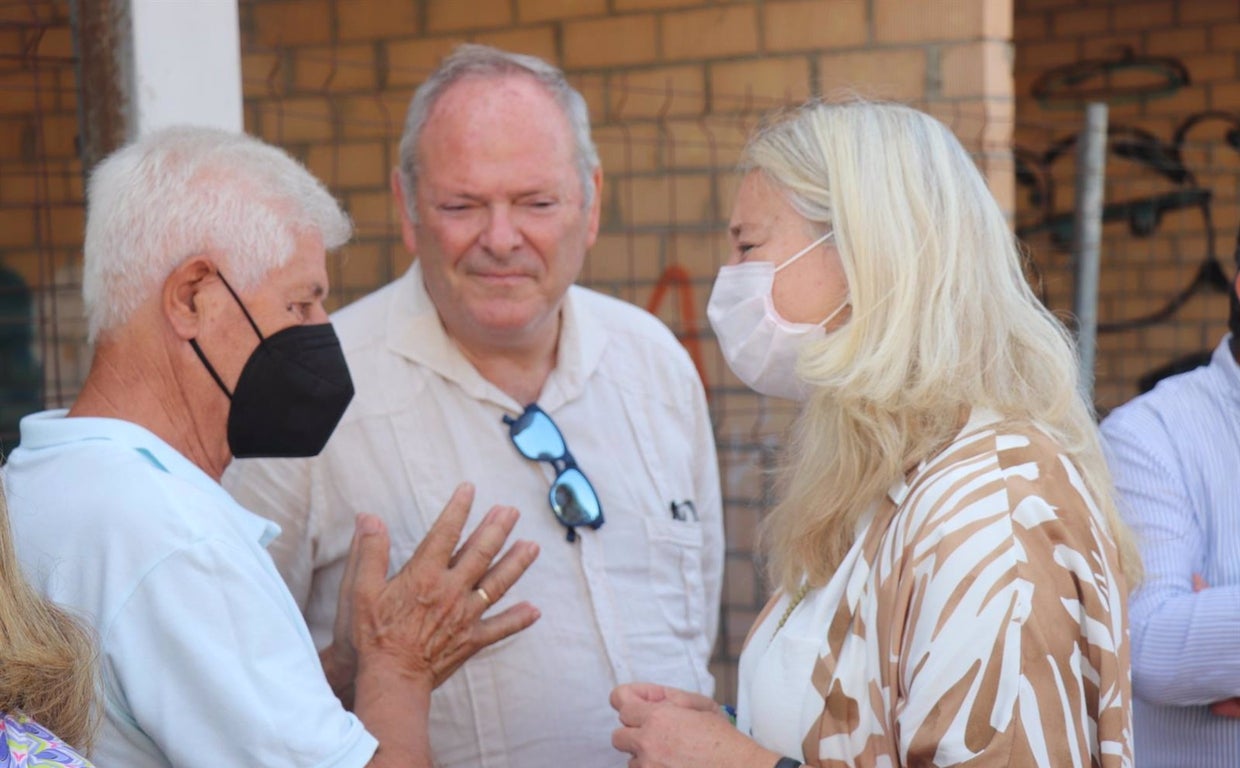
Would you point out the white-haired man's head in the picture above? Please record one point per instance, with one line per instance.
(185, 191)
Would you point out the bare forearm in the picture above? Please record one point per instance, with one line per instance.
(395, 707)
(340, 674)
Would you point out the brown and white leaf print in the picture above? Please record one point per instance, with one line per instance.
(984, 623)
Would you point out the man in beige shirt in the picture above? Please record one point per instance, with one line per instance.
(499, 187)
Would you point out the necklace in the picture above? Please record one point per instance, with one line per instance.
(796, 600)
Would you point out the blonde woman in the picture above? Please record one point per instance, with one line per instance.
(951, 569)
(47, 673)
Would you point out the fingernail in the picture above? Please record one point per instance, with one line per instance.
(368, 524)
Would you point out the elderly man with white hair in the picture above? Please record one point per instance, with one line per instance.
(205, 274)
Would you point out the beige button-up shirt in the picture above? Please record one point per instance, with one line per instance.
(637, 599)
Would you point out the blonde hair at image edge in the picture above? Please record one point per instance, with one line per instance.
(943, 320)
(47, 660)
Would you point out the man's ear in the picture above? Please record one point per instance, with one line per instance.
(596, 179)
(180, 296)
(407, 233)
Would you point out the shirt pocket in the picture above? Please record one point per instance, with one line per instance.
(676, 574)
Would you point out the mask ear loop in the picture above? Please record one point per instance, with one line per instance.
(806, 250)
(244, 311)
(838, 310)
(801, 253)
(193, 343)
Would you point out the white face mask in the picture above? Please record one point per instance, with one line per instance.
(759, 346)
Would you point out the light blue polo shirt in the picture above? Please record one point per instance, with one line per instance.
(204, 657)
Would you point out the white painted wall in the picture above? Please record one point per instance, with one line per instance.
(186, 64)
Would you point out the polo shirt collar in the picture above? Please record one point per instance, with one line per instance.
(52, 429)
(415, 331)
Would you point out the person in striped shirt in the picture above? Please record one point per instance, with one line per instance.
(1174, 454)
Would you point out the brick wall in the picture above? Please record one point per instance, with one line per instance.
(674, 87)
(1146, 258)
(41, 214)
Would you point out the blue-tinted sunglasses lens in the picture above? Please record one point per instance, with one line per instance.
(537, 437)
(573, 499)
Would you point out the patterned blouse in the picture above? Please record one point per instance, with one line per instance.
(26, 744)
(978, 620)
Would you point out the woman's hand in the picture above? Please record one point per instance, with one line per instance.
(663, 727)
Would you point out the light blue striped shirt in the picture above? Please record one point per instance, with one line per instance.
(1175, 456)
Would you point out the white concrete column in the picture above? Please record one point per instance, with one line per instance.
(186, 65)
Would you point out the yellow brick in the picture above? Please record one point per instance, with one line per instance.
(292, 120)
(291, 22)
(26, 13)
(1211, 67)
(699, 254)
(609, 42)
(781, 80)
(360, 268)
(55, 42)
(411, 61)
(666, 91)
(1223, 37)
(643, 5)
(373, 19)
(909, 21)
(814, 25)
(1172, 42)
(20, 186)
(1076, 22)
(627, 148)
(455, 15)
(68, 224)
(1192, 98)
(892, 74)
(333, 69)
(373, 212)
(1143, 16)
(727, 185)
(592, 88)
(345, 166)
(709, 142)
(547, 10)
(976, 69)
(663, 200)
(1225, 96)
(1030, 26)
(59, 136)
(536, 41)
(19, 93)
(1191, 11)
(17, 226)
(373, 115)
(1039, 57)
(262, 73)
(622, 256)
(16, 137)
(710, 33)
(1110, 46)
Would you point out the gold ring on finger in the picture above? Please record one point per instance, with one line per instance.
(480, 592)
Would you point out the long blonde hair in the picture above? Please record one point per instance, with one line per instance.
(47, 659)
(943, 320)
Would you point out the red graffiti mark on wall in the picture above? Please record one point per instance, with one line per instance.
(690, 334)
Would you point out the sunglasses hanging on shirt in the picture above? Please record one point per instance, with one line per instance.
(572, 497)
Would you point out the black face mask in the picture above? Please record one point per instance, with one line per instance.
(291, 392)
